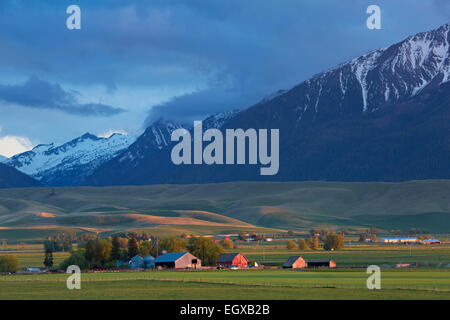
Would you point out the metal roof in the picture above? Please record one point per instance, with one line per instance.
(170, 257)
(291, 261)
(227, 257)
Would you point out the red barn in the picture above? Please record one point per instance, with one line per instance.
(295, 262)
(232, 259)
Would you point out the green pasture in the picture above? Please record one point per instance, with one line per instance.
(231, 284)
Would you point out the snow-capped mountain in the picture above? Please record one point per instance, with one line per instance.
(155, 138)
(71, 162)
(385, 76)
(149, 147)
(383, 116)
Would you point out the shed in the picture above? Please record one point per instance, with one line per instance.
(321, 264)
(179, 260)
(295, 262)
(232, 259)
(137, 262)
(400, 240)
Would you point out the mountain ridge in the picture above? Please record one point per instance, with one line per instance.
(71, 162)
(13, 178)
(382, 116)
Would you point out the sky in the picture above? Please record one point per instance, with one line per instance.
(133, 62)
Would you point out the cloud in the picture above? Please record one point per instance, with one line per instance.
(40, 94)
(110, 132)
(234, 51)
(200, 104)
(12, 145)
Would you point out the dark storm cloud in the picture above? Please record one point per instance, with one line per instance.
(36, 93)
(236, 51)
(198, 105)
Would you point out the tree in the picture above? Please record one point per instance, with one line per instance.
(115, 250)
(313, 243)
(146, 248)
(173, 244)
(9, 263)
(48, 259)
(333, 241)
(290, 244)
(78, 258)
(302, 245)
(290, 233)
(133, 248)
(98, 251)
(205, 249)
(227, 244)
(103, 250)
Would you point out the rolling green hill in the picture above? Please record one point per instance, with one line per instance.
(230, 207)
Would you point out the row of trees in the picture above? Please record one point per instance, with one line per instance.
(332, 241)
(57, 245)
(105, 252)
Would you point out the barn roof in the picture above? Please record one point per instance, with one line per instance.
(137, 258)
(289, 262)
(227, 257)
(170, 257)
(149, 257)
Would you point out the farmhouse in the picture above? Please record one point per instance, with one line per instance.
(321, 264)
(295, 262)
(232, 259)
(180, 260)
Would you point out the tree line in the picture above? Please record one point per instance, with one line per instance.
(106, 252)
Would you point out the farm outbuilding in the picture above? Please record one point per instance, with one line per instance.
(400, 240)
(321, 264)
(137, 262)
(295, 262)
(232, 259)
(179, 261)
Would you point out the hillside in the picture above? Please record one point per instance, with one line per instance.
(12, 178)
(231, 207)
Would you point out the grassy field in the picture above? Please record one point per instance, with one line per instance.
(239, 284)
(430, 280)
